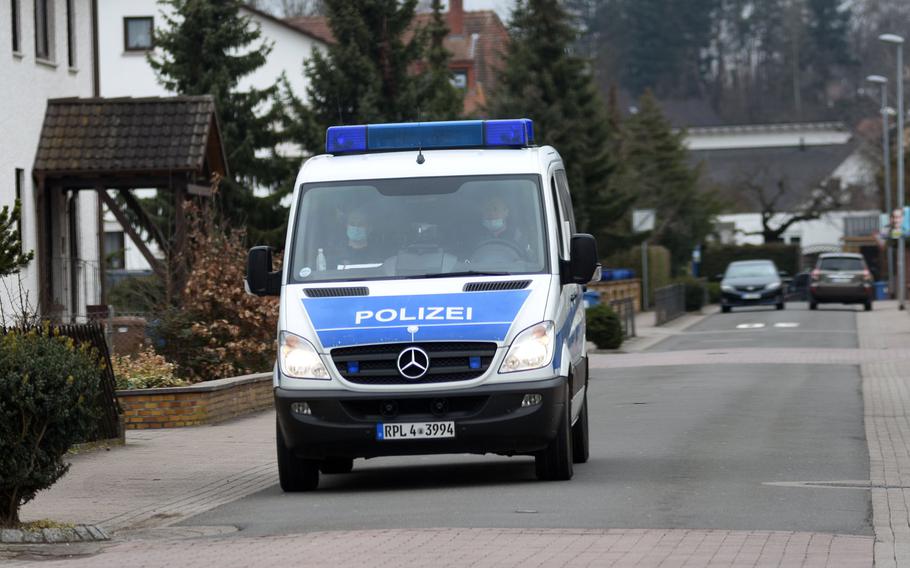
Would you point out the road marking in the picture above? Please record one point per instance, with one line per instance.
(750, 326)
(786, 324)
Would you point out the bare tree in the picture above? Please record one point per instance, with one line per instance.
(828, 196)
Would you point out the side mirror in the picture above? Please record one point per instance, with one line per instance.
(260, 279)
(718, 277)
(783, 274)
(583, 265)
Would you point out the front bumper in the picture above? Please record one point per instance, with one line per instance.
(488, 419)
(765, 298)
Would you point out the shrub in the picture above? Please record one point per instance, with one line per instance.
(47, 389)
(604, 327)
(695, 293)
(220, 331)
(713, 292)
(145, 370)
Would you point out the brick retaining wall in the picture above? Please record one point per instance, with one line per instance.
(202, 403)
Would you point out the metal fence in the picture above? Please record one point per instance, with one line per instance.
(669, 302)
(93, 334)
(625, 309)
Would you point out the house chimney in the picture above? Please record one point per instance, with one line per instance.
(456, 17)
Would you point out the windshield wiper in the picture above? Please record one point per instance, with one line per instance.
(457, 274)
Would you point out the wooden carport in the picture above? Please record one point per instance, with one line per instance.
(171, 144)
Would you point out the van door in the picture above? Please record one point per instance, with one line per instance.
(571, 323)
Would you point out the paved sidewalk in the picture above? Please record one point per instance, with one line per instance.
(886, 394)
(497, 548)
(161, 477)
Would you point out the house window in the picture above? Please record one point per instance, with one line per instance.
(17, 30)
(70, 34)
(137, 34)
(20, 182)
(460, 79)
(44, 29)
(114, 249)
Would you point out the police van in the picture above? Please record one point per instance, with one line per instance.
(430, 301)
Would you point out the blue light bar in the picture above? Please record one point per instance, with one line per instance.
(515, 133)
(340, 139)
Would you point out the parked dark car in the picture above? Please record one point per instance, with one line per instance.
(841, 278)
(751, 283)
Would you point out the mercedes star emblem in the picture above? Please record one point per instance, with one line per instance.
(413, 363)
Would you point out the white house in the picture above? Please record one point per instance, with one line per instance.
(126, 36)
(46, 52)
(742, 160)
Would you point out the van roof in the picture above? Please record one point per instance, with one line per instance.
(437, 163)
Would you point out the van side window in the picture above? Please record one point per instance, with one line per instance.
(565, 198)
(560, 217)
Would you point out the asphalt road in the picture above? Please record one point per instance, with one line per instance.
(695, 447)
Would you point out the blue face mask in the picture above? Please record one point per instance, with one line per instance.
(357, 233)
(494, 224)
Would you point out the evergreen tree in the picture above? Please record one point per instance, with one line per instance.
(659, 170)
(207, 47)
(365, 75)
(12, 258)
(439, 98)
(544, 81)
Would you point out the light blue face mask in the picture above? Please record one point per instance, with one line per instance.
(494, 224)
(357, 233)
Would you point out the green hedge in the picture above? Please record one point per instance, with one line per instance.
(604, 327)
(695, 293)
(715, 258)
(658, 265)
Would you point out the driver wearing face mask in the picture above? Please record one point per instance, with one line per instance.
(357, 248)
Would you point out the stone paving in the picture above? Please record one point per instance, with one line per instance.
(140, 486)
(500, 548)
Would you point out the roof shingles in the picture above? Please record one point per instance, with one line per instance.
(82, 136)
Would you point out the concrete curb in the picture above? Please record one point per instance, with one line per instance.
(77, 533)
(651, 336)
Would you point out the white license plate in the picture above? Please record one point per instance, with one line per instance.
(415, 430)
(751, 296)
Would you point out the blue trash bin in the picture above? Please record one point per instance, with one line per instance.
(591, 298)
(881, 290)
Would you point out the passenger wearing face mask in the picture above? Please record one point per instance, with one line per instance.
(496, 225)
(357, 248)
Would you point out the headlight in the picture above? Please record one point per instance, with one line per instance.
(773, 286)
(298, 358)
(532, 349)
(727, 288)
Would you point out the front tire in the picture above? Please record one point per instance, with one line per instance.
(868, 306)
(555, 462)
(294, 473)
(780, 306)
(725, 309)
(813, 305)
(580, 448)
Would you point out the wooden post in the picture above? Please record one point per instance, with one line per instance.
(133, 234)
(177, 257)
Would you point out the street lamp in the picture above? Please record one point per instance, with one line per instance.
(898, 42)
(886, 152)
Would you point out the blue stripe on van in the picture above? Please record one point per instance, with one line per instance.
(461, 316)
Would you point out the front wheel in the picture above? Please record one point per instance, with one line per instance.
(813, 305)
(725, 309)
(780, 306)
(868, 306)
(294, 474)
(555, 462)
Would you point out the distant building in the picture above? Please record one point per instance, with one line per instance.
(126, 36)
(46, 52)
(786, 162)
(477, 41)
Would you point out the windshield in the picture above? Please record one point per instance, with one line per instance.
(843, 263)
(751, 270)
(419, 228)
